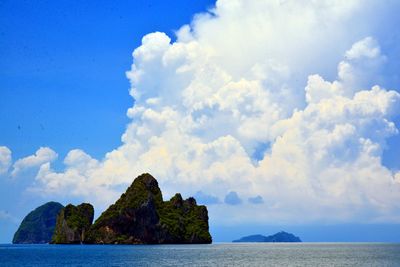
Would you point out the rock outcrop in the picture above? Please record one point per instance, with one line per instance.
(140, 216)
(38, 226)
(73, 222)
(278, 237)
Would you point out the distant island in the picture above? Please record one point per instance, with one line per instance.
(278, 237)
(38, 226)
(139, 216)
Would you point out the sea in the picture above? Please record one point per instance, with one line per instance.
(218, 254)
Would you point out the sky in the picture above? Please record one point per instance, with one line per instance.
(277, 115)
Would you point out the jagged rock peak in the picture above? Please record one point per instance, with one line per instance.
(140, 216)
(73, 223)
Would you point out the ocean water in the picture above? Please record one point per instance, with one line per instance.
(224, 254)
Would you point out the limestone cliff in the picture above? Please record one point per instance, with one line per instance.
(140, 216)
(73, 222)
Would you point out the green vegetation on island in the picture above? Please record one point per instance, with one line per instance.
(38, 226)
(73, 222)
(140, 216)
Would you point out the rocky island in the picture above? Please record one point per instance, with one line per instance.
(38, 226)
(73, 222)
(139, 216)
(278, 237)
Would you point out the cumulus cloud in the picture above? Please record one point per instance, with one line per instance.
(41, 156)
(77, 179)
(5, 159)
(359, 70)
(256, 200)
(232, 198)
(205, 199)
(293, 82)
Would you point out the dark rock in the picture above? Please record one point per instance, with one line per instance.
(140, 216)
(38, 226)
(73, 222)
(278, 237)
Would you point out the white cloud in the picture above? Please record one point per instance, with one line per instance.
(41, 156)
(362, 65)
(359, 70)
(368, 47)
(76, 180)
(250, 75)
(5, 159)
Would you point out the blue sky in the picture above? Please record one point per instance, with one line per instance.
(232, 107)
(63, 76)
(63, 69)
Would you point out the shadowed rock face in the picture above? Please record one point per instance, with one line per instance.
(38, 226)
(73, 223)
(141, 216)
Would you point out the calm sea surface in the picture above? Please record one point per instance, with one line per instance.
(249, 254)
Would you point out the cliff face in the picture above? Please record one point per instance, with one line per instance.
(184, 221)
(38, 226)
(73, 222)
(141, 216)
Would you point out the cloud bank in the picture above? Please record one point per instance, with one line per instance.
(42, 156)
(293, 82)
